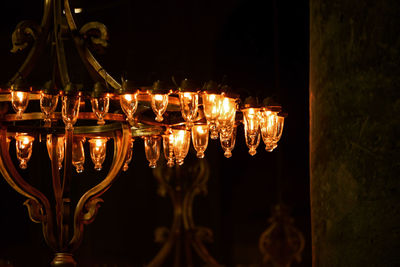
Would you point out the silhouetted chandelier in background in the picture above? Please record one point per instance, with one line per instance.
(96, 117)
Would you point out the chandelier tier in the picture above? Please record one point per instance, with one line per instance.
(69, 117)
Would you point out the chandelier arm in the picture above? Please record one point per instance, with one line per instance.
(60, 51)
(38, 45)
(97, 72)
(163, 253)
(88, 204)
(37, 203)
(57, 188)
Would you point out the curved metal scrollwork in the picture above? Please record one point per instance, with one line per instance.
(95, 34)
(182, 185)
(26, 32)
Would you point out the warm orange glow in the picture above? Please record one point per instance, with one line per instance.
(158, 97)
(200, 139)
(226, 118)
(70, 110)
(59, 150)
(100, 106)
(181, 145)
(189, 106)
(269, 129)
(78, 153)
(48, 104)
(159, 105)
(128, 97)
(23, 144)
(211, 108)
(19, 101)
(168, 145)
(251, 129)
(98, 148)
(129, 105)
(152, 149)
(228, 143)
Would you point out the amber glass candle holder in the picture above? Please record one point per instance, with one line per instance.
(181, 145)
(152, 149)
(19, 102)
(200, 139)
(23, 144)
(189, 106)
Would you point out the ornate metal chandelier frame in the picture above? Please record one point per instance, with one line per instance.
(62, 224)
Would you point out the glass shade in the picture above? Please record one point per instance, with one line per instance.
(19, 102)
(181, 145)
(129, 105)
(228, 143)
(159, 103)
(48, 104)
(200, 139)
(152, 149)
(23, 144)
(252, 129)
(189, 106)
(279, 129)
(168, 145)
(78, 153)
(70, 110)
(98, 148)
(268, 128)
(226, 118)
(59, 150)
(100, 106)
(211, 108)
(128, 157)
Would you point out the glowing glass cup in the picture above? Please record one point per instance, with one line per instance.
(19, 102)
(200, 139)
(251, 129)
(129, 105)
(78, 153)
(168, 146)
(59, 150)
(152, 149)
(159, 103)
(211, 108)
(23, 144)
(98, 149)
(181, 145)
(189, 106)
(228, 142)
(48, 104)
(100, 106)
(226, 118)
(70, 110)
(268, 127)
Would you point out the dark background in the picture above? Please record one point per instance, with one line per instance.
(201, 40)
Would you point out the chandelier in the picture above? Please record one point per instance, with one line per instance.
(167, 118)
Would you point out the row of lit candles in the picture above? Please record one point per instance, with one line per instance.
(176, 142)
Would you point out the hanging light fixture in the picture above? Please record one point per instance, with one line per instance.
(48, 102)
(181, 145)
(100, 101)
(200, 139)
(159, 99)
(98, 148)
(117, 115)
(152, 149)
(23, 144)
(211, 107)
(251, 129)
